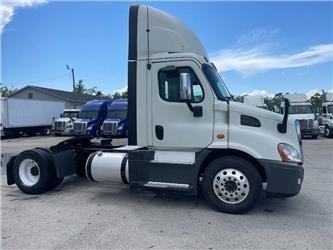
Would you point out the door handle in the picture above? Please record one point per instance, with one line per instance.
(159, 132)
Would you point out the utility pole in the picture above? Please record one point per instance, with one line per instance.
(73, 76)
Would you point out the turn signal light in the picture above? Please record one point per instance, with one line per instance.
(220, 136)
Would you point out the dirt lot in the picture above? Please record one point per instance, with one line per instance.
(80, 214)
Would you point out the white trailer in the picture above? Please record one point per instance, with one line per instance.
(185, 131)
(255, 100)
(19, 116)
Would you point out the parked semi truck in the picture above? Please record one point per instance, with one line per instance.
(21, 116)
(178, 139)
(255, 100)
(116, 122)
(326, 117)
(91, 118)
(65, 124)
(302, 110)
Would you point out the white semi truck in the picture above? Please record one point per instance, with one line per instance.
(302, 110)
(21, 116)
(65, 124)
(255, 100)
(326, 117)
(185, 131)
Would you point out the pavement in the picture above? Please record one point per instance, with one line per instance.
(79, 214)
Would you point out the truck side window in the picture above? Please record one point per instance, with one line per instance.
(169, 85)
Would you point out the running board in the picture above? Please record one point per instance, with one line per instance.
(155, 184)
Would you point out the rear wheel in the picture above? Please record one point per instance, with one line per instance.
(232, 184)
(34, 173)
(314, 136)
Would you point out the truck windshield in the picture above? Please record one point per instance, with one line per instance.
(88, 114)
(117, 114)
(216, 82)
(70, 114)
(300, 109)
(330, 109)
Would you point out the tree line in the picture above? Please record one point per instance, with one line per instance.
(316, 100)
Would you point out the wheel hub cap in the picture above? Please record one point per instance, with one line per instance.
(29, 172)
(231, 186)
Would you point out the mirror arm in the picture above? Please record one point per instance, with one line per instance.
(190, 107)
(282, 127)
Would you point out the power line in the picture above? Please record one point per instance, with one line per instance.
(38, 81)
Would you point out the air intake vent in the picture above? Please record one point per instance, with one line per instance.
(250, 121)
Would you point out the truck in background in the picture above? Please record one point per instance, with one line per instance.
(22, 116)
(91, 118)
(325, 118)
(185, 133)
(302, 111)
(255, 100)
(65, 124)
(116, 122)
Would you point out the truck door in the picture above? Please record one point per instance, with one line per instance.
(173, 123)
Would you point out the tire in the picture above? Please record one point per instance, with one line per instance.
(54, 180)
(97, 133)
(46, 131)
(314, 136)
(33, 181)
(226, 194)
(327, 132)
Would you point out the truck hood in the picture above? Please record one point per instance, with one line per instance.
(119, 120)
(88, 121)
(250, 110)
(303, 116)
(64, 119)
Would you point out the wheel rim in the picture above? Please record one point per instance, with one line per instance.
(29, 172)
(327, 132)
(231, 186)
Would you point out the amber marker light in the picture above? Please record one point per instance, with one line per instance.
(220, 136)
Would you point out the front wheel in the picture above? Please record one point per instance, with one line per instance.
(327, 132)
(232, 184)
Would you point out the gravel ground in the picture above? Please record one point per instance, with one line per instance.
(80, 214)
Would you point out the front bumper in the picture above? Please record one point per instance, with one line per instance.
(310, 131)
(284, 179)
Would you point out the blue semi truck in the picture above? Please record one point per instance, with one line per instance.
(91, 118)
(116, 122)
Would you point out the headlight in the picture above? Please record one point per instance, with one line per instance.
(120, 127)
(90, 128)
(289, 153)
(69, 126)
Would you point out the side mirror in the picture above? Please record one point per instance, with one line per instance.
(185, 87)
(282, 127)
(61, 115)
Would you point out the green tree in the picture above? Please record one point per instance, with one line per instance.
(239, 98)
(274, 101)
(317, 100)
(6, 91)
(79, 87)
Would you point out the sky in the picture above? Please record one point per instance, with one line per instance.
(258, 47)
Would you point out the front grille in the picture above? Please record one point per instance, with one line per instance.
(110, 128)
(306, 123)
(80, 127)
(58, 125)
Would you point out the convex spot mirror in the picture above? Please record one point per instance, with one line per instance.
(185, 87)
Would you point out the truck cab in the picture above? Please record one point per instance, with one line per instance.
(185, 131)
(302, 111)
(91, 118)
(65, 124)
(116, 122)
(256, 101)
(325, 118)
